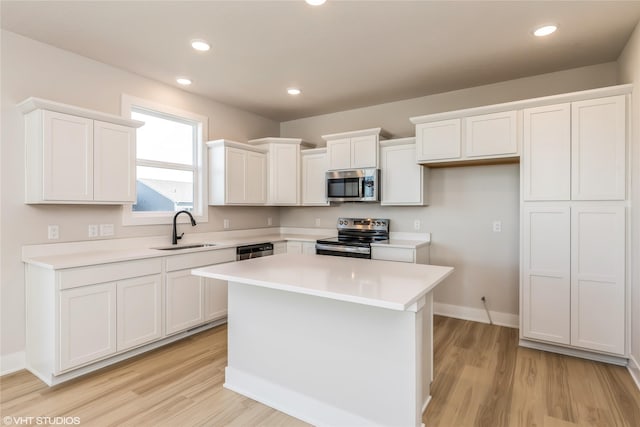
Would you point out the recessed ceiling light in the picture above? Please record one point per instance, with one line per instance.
(315, 2)
(200, 45)
(545, 31)
(293, 91)
(183, 81)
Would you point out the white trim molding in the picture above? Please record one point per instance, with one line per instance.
(476, 314)
(12, 362)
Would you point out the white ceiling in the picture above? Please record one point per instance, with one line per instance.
(342, 55)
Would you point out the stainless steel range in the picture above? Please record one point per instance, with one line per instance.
(355, 236)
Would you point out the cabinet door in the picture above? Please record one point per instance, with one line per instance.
(546, 162)
(491, 134)
(184, 301)
(364, 151)
(308, 248)
(139, 311)
(285, 174)
(235, 175)
(256, 178)
(401, 176)
(598, 278)
(546, 288)
(438, 140)
(215, 299)
(598, 132)
(314, 181)
(67, 157)
(87, 324)
(339, 152)
(114, 163)
(294, 247)
(279, 248)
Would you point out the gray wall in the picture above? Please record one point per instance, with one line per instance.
(465, 200)
(30, 68)
(630, 73)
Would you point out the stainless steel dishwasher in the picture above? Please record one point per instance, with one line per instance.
(254, 251)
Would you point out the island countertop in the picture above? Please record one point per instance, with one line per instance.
(386, 284)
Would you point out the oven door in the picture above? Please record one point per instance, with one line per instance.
(343, 250)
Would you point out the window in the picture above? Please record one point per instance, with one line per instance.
(170, 167)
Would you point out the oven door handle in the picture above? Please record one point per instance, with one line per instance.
(350, 249)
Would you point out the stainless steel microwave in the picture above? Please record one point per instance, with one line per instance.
(353, 185)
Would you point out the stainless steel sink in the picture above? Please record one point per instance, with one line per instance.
(178, 247)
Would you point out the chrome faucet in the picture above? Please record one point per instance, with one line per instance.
(175, 236)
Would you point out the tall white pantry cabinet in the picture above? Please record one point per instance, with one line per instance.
(574, 205)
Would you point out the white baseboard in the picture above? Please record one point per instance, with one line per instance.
(634, 370)
(13, 362)
(574, 352)
(476, 314)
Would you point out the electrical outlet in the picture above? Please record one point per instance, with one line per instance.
(317, 222)
(269, 221)
(416, 224)
(225, 223)
(53, 232)
(106, 229)
(497, 226)
(93, 230)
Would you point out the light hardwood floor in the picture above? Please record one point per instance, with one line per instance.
(482, 378)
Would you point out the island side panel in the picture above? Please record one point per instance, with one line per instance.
(324, 361)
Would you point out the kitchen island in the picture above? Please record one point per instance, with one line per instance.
(330, 340)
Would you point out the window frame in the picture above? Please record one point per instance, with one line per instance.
(200, 210)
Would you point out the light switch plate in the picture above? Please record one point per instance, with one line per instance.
(225, 223)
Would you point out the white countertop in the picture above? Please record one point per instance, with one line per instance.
(386, 284)
(82, 254)
(95, 257)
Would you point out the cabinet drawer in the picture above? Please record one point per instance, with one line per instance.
(393, 254)
(75, 277)
(199, 259)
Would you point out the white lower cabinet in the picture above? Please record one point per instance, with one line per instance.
(546, 282)
(279, 248)
(192, 300)
(573, 282)
(417, 255)
(83, 318)
(598, 278)
(184, 301)
(301, 247)
(215, 299)
(87, 324)
(139, 313)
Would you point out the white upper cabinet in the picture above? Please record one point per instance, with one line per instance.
(353, 150)
(283, 169)
(598, 131)
(466, 136)
(73, 155)
(404, 182)
(237, 174)
(315, 164)
(546, 157)
(439, 140)
(491, 135)
(339, 153)
(575, 151)
(114, 162)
